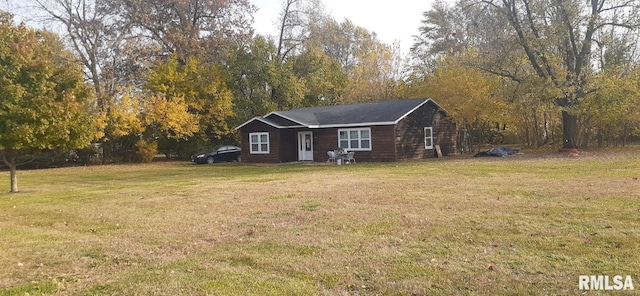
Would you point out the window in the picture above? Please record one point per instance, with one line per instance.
(428, 138)
(259, 143)
(355, 139)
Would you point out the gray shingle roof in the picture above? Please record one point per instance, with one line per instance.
(375, 113)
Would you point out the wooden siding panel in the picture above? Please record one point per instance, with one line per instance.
(382, 144)
(445, 135)
(410, 133)
(324, 140)
(274, 139)
(288, 145)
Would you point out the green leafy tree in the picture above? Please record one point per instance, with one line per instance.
(250, 73)
(262, 83)
(372, 68)
(44, 101)
(323, 77)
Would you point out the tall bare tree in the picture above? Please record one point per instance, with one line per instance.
(93, 30)
(557, 39)
(192, 28)
(294, 23)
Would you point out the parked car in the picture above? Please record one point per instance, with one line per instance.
(224, 153)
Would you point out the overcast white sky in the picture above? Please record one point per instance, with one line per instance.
(396, 20)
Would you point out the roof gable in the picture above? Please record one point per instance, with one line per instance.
(375, 113)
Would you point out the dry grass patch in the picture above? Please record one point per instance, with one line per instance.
(523, 225)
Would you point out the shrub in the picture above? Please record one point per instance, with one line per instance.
(146, 151)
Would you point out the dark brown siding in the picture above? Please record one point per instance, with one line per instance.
(288, 145)
(381, 143)
(410, 133)
(402, 141)
(444, 134)
(324, 140)
(274, 140)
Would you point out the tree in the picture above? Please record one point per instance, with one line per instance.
(470, 96)
(372, 67)
(44, 101)
(309, 78)
(202, 87)
(201, 29)
(250, 73)
(137, 121)
(612, 112)
(96, 32)
(443, 31)
(321, 76)
(556, 38)
(295, 21)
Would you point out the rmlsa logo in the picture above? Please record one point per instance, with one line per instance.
(602, 282)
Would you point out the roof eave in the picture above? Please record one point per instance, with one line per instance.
(261, 119)
(286, 117)
(411, 111)
(347, 125)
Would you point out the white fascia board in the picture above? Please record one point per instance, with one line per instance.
(259, 119)
(363, 124)
(411, 111)
(287, 118)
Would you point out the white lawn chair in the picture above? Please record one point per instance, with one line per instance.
(332, 156)
(350, 158)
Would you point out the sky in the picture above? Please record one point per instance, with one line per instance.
(392, 21)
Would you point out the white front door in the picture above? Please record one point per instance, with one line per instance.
(305, 146)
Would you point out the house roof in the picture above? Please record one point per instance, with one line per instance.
(375, 113)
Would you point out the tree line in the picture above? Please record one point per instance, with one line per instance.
(176, 77)
(535, 72)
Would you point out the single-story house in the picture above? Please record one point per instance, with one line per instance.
(379, 131)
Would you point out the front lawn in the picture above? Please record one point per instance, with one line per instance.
(491, 226)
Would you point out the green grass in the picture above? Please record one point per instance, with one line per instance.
(456, 226)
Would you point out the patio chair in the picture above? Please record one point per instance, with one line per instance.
(350, 158)
(332, 156)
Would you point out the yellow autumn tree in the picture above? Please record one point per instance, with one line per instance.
(202, 88)
(169, 117)
(612, 113)
(134, 122)
(471, 97)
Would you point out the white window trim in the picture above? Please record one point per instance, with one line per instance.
(259, 151)
(428, 134)
(349, 130)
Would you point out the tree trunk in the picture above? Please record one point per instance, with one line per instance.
(569, 130)
(14, 179)
(9, 158)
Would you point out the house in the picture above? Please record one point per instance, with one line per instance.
(379, 131)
